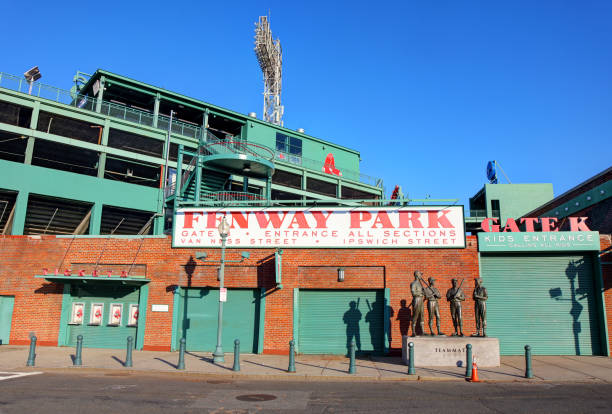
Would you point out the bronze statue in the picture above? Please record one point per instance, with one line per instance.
(417, 302)
(455, 296)
(480, 307)
(433, 294)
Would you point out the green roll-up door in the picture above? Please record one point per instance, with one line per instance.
(103, 335)
(544, 300)
(6, 318)
(198, 319)
(330, 319)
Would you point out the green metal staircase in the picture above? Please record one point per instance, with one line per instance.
(213, 164)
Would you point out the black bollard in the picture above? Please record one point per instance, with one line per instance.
(291, 356)
(32, 355)
(468, 362)
(528, 369)
(181, 361)
(128, 355)
(79, 350)
(352, 369)
(236, 355)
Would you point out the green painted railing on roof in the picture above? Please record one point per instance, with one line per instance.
(140, 117)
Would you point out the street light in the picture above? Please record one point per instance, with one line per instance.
(224, 228)
(32, 76)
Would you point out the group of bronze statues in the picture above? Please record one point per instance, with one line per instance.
(422, 291)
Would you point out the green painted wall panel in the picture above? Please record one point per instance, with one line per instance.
(517, 199)
(198, 315)
(62, 184)
(330, 319)
(103, 335)
(545, 300)
(6, 318)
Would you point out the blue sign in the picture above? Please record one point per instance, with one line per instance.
(491, 172)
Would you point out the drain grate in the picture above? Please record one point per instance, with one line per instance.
(256, 397)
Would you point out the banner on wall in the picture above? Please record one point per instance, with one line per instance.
(364, 227)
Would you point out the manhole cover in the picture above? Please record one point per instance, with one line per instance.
(256, 397)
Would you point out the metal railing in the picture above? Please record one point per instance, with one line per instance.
(230, 197)
(214, 146)
(140, 117)
(318, 166)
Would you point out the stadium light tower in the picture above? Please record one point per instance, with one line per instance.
(270, 57)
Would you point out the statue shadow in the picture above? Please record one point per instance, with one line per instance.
(404, 316)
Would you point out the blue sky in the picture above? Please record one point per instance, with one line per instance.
(427, 91)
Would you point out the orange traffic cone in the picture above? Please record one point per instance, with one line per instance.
(474, 373)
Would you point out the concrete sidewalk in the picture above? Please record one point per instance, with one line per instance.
(308, 367)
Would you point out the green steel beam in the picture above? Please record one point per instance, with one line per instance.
(33, 123)
(175, 319)
(143, 301)
(95, 220)
(21, 203)
(296, 316)
(64, 316)
(62, 184)
(262, 320)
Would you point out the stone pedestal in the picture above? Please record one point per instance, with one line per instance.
(450, 351)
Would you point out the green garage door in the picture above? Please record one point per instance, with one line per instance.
(103, 334)
(544, 300)
(330, 319)
(6, 317)
(198, 319)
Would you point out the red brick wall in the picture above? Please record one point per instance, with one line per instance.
(38, 302)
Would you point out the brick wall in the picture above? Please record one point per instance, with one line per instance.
(38, 302)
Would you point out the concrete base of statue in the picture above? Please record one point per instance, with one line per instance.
(450, 351)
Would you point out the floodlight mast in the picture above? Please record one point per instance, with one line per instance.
(270, 57)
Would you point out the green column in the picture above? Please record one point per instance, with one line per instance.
(156, 110)
(198, 178)
(269, 189)
(33, 123)
(100, 94)
(21, 207)
(102, 157)
(96, 219)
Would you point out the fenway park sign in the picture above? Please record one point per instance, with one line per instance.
(392, 227)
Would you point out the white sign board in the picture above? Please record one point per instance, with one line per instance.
(223, 295)
(159, 308)
(364, 227)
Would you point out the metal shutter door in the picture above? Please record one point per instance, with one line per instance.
(6, 317)
(104, 335)
(544, 300)
(328, 322)
(198, 319)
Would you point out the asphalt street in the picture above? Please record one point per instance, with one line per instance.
(115, 392)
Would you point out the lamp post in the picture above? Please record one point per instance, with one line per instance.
(224, 228)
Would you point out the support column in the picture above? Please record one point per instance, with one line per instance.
(198, 178)
(269, 189)
(21, 208)
(100, 94)
(33, 124)
(102, 156)
(204, 138)
(95, 220)
(156, 110)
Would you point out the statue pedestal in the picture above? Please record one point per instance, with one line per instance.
(450, 351)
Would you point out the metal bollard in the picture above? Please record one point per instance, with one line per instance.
(236, 355)
(32, 355)
(181, 361)
(128, 354)
(528, 369)
(411, 370)
(352, 369)
(468, 361)
(79, 350)
(291, 356)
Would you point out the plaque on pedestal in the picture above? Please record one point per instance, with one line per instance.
(450, 351)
